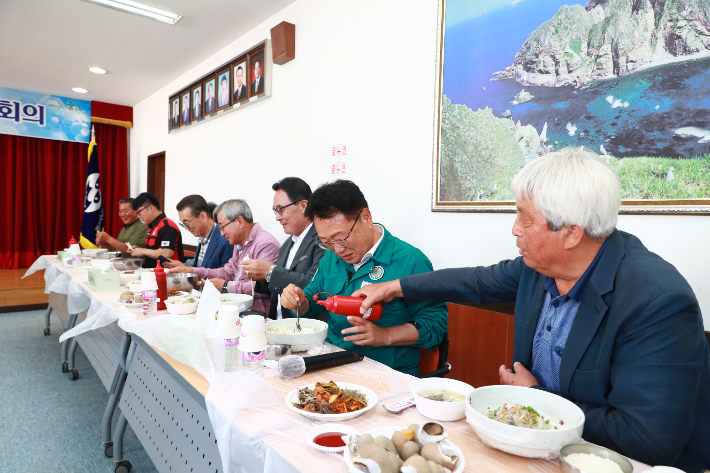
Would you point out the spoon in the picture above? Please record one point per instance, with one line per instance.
(298, 322)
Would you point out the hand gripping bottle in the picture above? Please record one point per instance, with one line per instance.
(347, 305)
(162, 286)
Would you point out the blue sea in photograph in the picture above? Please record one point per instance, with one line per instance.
(660, 99)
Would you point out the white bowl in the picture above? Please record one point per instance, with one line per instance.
(369, 395)
(100, 263)
(134, 288)
(439, 410)
(180, 309)
(327, 428)
(93, 251)
(236, 299)
(518, 440)
(125, 276)
(298, 341)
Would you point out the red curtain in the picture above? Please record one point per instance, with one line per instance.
(42, 191)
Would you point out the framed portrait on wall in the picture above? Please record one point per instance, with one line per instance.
(185, 112)
(174, 112)
(224, 88)
(551, 82)
(240, 73)
(210, 100)
(196, 101)
(256, 72)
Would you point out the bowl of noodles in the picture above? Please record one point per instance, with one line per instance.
(283, 332)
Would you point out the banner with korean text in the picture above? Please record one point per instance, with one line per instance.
(41, 115)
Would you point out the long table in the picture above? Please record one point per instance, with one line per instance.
(164, 402)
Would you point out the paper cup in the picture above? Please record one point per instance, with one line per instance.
(253, 334)
(228, 321)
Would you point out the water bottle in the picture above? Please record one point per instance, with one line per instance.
(75, 252)
(253, 361)
(150, 294)
(231, 355)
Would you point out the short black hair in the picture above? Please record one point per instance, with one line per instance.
(127, 200)
(196, 203)
(224, 79)
(240, 68)
(339, 196)
(295, 188)
(145, 199)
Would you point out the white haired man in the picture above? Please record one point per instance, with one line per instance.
(599, 319)
(250, 241)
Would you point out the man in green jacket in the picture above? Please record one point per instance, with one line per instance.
(363, 252)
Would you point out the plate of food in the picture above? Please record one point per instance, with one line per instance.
(172, 293)
(130, 300)
(401, 449)
(331, 401)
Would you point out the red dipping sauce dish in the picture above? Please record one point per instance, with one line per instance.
(328, 438)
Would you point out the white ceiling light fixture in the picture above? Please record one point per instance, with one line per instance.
(139, 9)
(80, 90)
(97, 70)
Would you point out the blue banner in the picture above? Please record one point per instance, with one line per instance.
(40, 115)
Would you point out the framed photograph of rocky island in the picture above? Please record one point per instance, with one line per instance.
(518, 79)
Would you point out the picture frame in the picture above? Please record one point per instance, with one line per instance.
(185, 109)
(209, 98)
(642, 125)
(197, 105)
(240, 68)
(257, 74)
(174, 112)
(224, 88)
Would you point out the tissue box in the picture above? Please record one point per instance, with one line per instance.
(104, 282)
(62, 255)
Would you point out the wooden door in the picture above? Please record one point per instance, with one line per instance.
(156, 177)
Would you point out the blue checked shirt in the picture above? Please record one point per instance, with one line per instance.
(553, 326)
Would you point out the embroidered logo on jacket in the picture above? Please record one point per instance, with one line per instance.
(377, 273)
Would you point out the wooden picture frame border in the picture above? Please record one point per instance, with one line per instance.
(194, 87)
(250, 59)
(220, 72)
(247, 83)
(170, 114)
(205, 81)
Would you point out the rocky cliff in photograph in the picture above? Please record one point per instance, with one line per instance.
(608, 38)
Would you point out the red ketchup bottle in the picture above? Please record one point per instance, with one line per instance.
(72, 241)
(347, 305)
(162, 286)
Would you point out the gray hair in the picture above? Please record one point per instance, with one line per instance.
(233, 208)
(572, 186)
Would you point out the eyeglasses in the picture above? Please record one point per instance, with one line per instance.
(278, 210)
(222, 227)
(138, 212)
(186, 226)
(342, 243)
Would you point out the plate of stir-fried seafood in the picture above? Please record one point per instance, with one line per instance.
(331, 401)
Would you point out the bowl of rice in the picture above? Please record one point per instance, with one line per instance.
(524, 421)
(590, 458)
(284, 332)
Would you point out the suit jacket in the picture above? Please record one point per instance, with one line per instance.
(302, 269)
(254, 90)
(196, 111)
(209, 105)
(176, 121)
(636, 360)
(186, 116)
(240, 93)
(218, 252)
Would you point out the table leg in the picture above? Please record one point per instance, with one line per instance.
(46, 320)
(65, 343)
(119, 381)
(73, 373)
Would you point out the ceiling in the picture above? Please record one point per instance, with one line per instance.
(48, 45)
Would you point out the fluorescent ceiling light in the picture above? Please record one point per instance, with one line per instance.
(97, 70)
(80, 90)
(140, 9)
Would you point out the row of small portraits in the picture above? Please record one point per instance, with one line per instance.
(237, 82)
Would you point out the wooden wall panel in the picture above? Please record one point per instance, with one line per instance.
(478, 344)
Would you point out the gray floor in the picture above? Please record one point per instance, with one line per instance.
(47, 422)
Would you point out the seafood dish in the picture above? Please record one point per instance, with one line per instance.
(520, 416)
(174, 293)
(443, 395)
(284, 329)
(128, 297)
(328, 398)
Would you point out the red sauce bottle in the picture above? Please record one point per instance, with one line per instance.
(162, 286)
(347, 305)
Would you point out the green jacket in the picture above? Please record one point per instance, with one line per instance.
(393, 259)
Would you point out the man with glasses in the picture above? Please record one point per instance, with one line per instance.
(133, 230)
(361, 253)
(163, 237)
(250, 241)
(299, 255)
(213, 250)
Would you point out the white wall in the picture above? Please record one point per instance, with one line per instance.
(364, 75)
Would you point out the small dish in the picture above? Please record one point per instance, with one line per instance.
(592, 449)
(329, 428)
(180, 309)
(276, 352)
(425, 428)
(440, 410)
(130, 305)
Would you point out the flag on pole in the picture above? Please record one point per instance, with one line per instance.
(93, 219)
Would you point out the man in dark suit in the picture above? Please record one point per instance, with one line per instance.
(258, 84)
(197, 107)
(209, 100)
(186, 109)
(213, 251)
(599, 319)
(240, 90)
(299, 255)
(176, 114)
